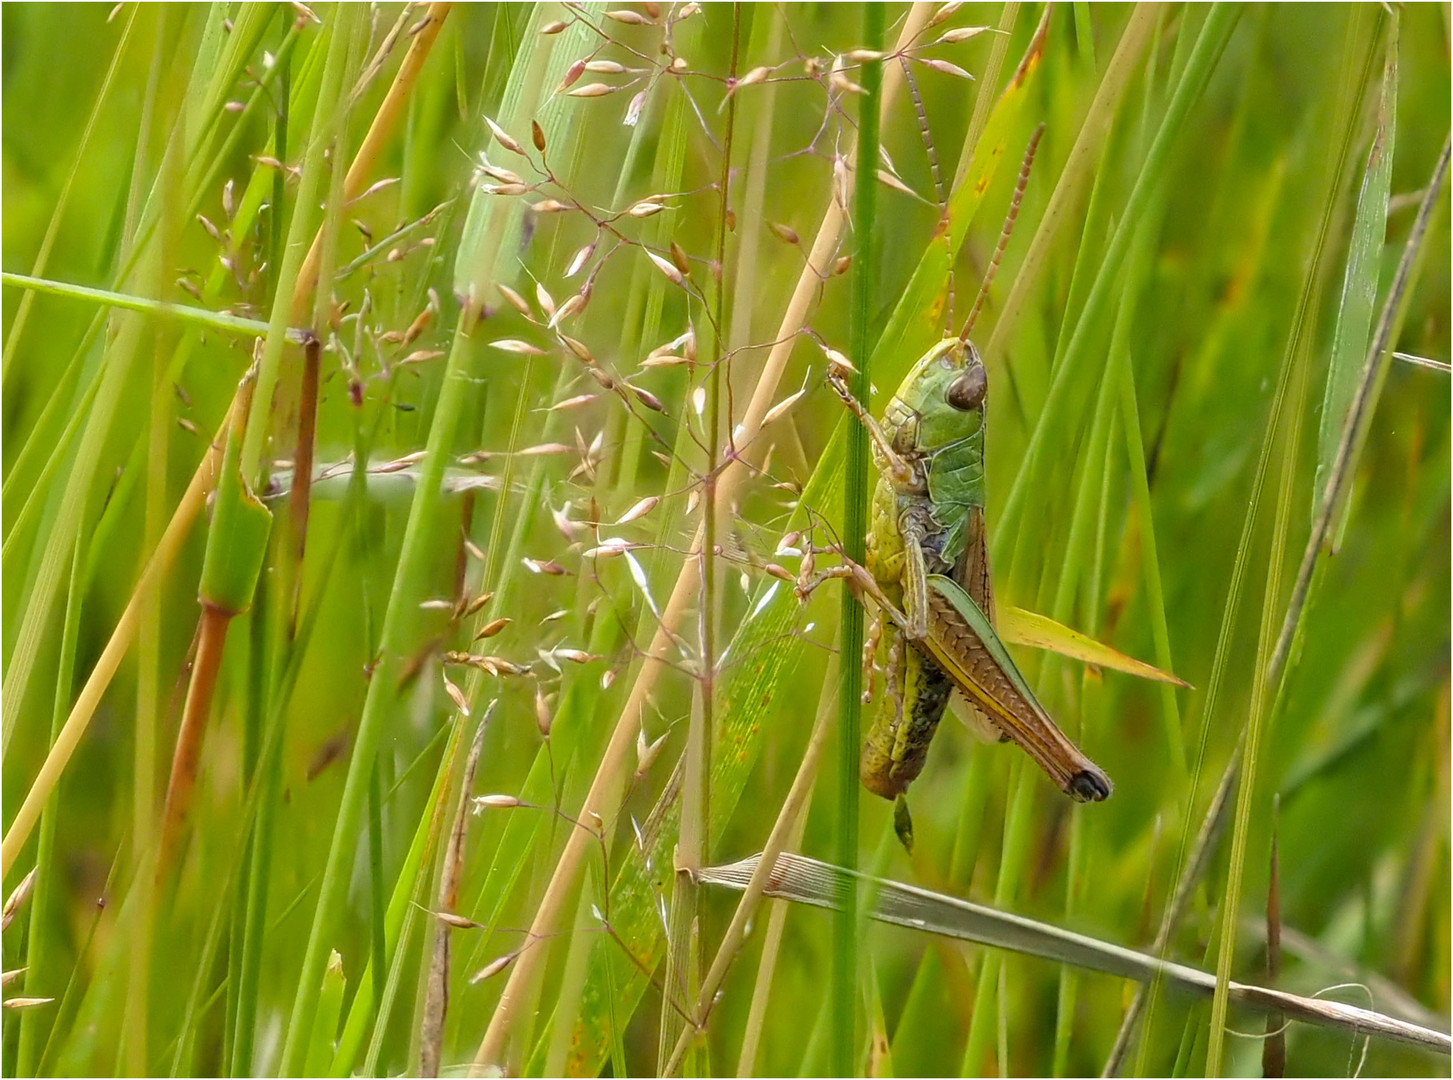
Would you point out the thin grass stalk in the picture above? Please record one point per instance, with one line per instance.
(1260, 687)
(319, 269)
(192, 501)
(1154, 593)
(1274, 1050)
(246, 947)
(685, 945)
(148, 694)
(747, 1064)
(647, 295)
(245, 972)
(219, 321)
(291, 277)
(982, 1027)
(40, 938)
(682, 972)
(843, 972)
(431, 1032)
(695, 837)
(790, 820)
(378, 908)
(1085, 510)
(604, 793)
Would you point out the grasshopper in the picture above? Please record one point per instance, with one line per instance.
(928, 572)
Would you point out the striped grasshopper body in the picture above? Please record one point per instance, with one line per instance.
(928, 565)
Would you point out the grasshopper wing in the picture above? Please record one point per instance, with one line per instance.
(963, 641)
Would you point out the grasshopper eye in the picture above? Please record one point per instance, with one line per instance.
(967, 391)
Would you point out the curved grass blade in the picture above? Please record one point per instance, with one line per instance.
(1359, 286)
(809, 881)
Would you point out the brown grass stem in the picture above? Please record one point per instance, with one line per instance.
(431, 1026)
(211, 642)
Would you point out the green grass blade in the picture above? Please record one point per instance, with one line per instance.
(843, 976)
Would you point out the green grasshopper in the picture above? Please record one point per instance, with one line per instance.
(928, 571)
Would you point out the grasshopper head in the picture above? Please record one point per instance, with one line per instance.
(941, 400)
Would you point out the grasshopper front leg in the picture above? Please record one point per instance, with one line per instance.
(899, 469)
(863, 584)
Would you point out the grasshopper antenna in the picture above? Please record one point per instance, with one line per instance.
(1009, 220)
(933, 169)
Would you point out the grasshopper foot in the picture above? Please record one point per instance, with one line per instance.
(1090, 785)
(903, 823)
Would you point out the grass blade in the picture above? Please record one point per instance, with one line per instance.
(808, 881)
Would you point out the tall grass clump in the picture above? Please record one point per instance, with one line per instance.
(420, 474)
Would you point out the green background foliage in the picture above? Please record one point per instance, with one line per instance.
(1192, 279)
